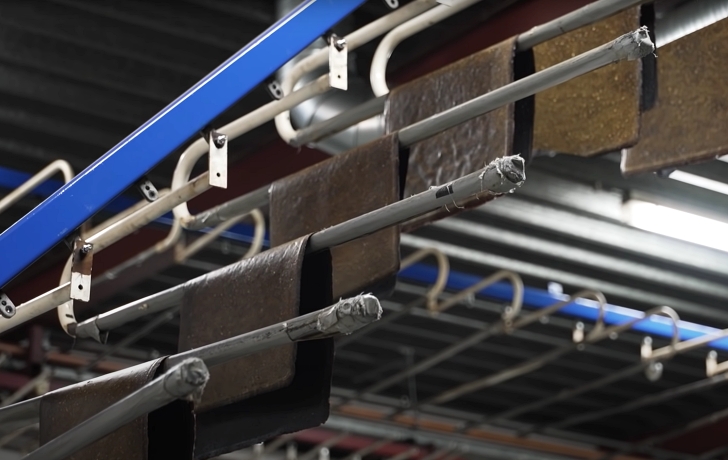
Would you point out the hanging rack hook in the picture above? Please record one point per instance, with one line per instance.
(668, 352)
(510, 312)
(443, 271)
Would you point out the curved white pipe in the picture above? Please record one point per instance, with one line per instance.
(353, 40)
(377, 75)
(43, 175)
(237, 128)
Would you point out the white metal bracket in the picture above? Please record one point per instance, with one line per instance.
(218, 157)
(83, 257)
(338, 63)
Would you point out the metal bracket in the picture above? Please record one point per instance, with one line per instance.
(7, 307)
(338, 62)
(83, 257)
(274, 89)
(147, 189)
(218, 157)
(712, 366)
(394, 4)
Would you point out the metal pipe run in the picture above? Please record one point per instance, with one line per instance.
(184, 379)
(630, 46)
(633, 45)
(501, 176)
(344, 317)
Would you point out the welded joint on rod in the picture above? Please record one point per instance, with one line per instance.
(187, 380)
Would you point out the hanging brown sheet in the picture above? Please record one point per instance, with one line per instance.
(146, 438)
(598, 112)
(688, 123)
(278, 391)
(469, 146)
(343, 187)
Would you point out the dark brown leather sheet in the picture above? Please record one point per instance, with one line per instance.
(465, 148)
(688, 123)
(343, 187)
(67, 407)
(598, 112)
(278, 391)
(242, 297)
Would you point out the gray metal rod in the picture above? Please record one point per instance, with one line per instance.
(97, 326)
(500, 176)
(180, 381)
(563, 395)
(631, 46)
(344, 317)
(333, 125)
(585, 15)
(657, 398)
(388, 318)
(130, 339)
(22, 411)
(242, 205)
(634, 45)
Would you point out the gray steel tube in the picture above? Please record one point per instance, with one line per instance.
(585, 15)
(96, 327)
(500, 176)
(233, 208)
(344, 317)
(186, 378)
(631, 46)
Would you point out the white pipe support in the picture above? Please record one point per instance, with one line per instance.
(43, 175)
(354, 40)
(377, 75)
(237, 128)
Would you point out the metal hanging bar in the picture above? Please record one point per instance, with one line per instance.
(598, 334)
(630, 46)
(634, 45)
(184, 379)
(344, 317)
(501, 176)
(589, 14)
(110, 175)
(58, 166)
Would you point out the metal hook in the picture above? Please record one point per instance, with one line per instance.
(510, 312)
(443, 271)
(646, 351)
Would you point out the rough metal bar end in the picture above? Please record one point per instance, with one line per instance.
(187, 379)
(512, 171)
(349, 315)
(634, 45)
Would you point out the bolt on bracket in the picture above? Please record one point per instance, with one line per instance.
(83, 257)
(7, 307)
(338, 62)
(218, 157)
(147, 189)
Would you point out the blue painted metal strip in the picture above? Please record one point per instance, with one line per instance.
(119, 168)
(581, 308)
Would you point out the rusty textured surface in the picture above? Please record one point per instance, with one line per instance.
(242, 297)
(465, 148)
(688, 122)
(338, 189)
(67, 407)
(598, 112)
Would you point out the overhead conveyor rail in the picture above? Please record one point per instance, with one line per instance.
(123, 165)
